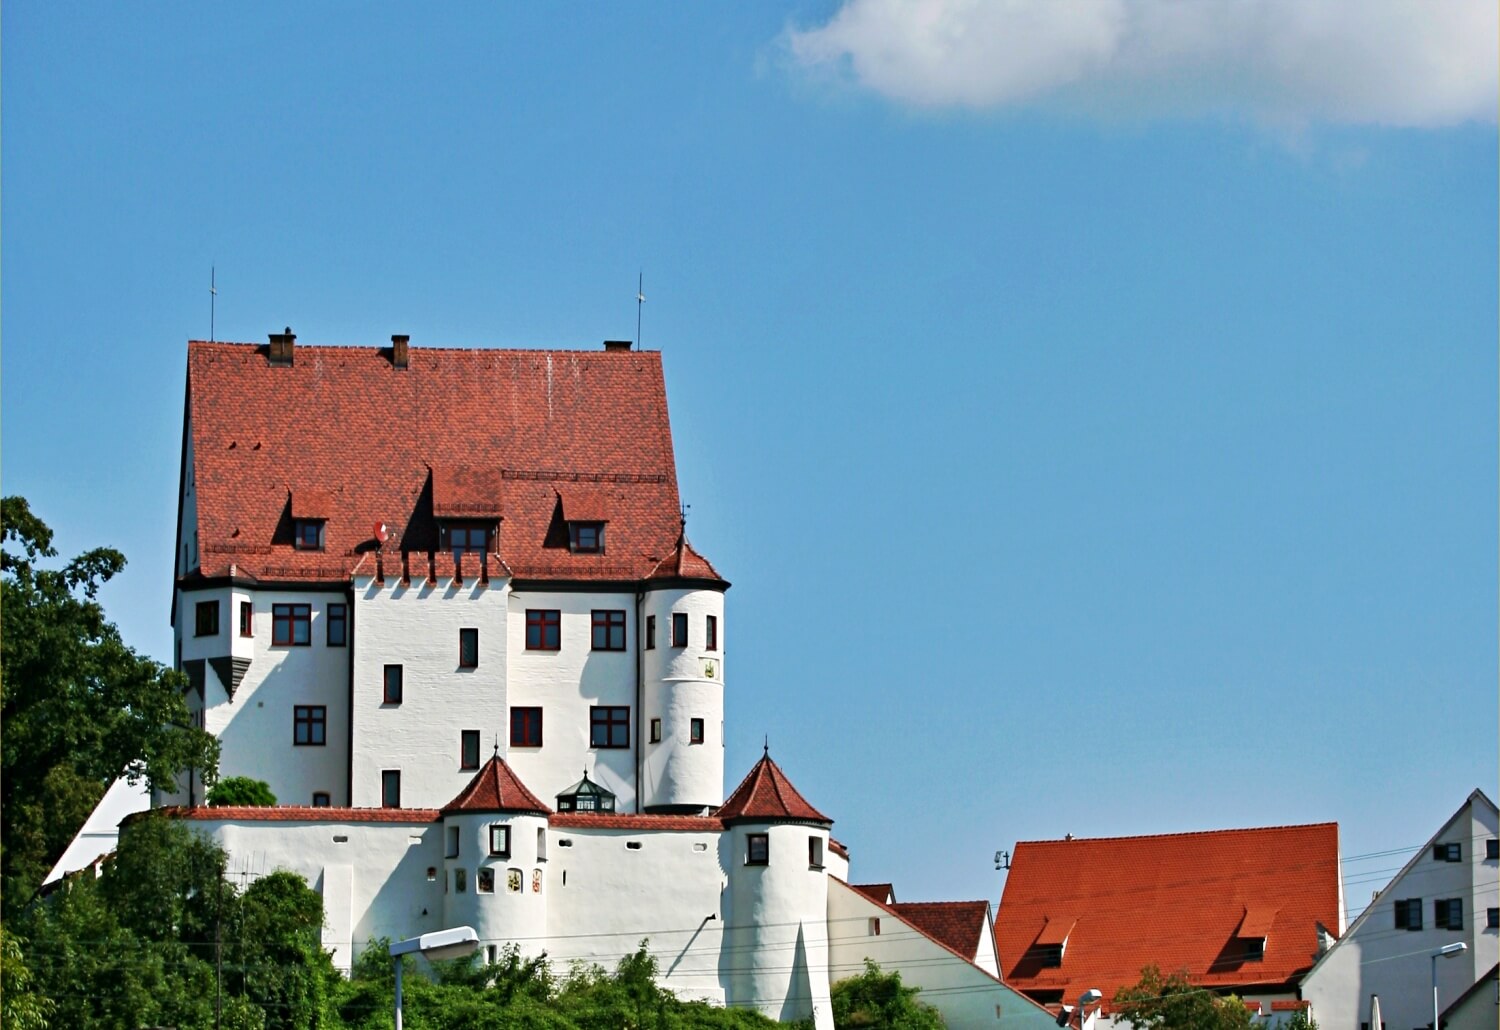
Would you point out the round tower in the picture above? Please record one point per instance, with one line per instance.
(682, 685)
(773, 849)
(494, 840)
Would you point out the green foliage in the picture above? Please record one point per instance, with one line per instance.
(241, 790)
(1301, 1020)
(21, 1007)
(79, 706)
(1157, 1002)
(880, 1001)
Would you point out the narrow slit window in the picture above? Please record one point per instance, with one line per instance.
(391, 691)
(679, 629)
(468, 648)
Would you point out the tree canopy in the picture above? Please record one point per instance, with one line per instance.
(1170, 1002)
(79, 706)
(880, 1001)
(241, 790)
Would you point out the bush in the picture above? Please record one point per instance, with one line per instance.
(241, 790)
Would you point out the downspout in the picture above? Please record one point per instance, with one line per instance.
(640, 714)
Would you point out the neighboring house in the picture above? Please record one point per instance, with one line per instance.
(443, 602)
(1446, 893)
(100, 830)
(1239, 911)
(1478, 1008)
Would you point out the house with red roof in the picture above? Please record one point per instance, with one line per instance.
(1243, 912)
(443, 602)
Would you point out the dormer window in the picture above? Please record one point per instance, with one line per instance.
(585, 796)
(307, 534)
(586, 537)
(464, 538)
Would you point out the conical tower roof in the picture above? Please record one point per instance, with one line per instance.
(684, 562)
(766, 795)
(496, 788)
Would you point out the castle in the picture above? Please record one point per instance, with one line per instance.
(443, 603)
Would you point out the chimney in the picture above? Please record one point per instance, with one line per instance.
(400, 355)
(617, 345)
(281, 347)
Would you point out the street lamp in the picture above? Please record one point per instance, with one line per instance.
(437, 946)
(1087, 998)
(1446, 951)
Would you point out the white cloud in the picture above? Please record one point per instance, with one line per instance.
(1287, 62)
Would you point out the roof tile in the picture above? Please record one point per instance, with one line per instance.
(766, 795)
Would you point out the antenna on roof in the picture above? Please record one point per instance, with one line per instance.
(683, 514)
(213, 296)
(1002, 861)
(640, 299)
(765, 748)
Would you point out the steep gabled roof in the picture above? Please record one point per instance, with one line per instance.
(507, 435)
(958, 925)
(766, 795)
(1175, 900)
(496, 788)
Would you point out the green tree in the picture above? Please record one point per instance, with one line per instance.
(241, 790)
(1157, 1002)
(21, 1007)
(880, 1001)
(79, 706)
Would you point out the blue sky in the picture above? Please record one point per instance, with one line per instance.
(1096, 415)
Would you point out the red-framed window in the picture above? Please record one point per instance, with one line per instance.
(757, 849)
(309, 725)
(338, 625)
(291, 625)
(468, 648)
(543, 629)
(712, 642)
(465, 538)
(586, 537)
(206, 619)
(247, 618)
(608, 630)
(679, 629)
(525, 727)
(307, 534)
(609, 726)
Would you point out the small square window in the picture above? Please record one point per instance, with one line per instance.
(1448, 913)
(453, 843)
(695, 731)
(309, 724)
(1451, 852)
(468, 748)
(679, 629)
(392, 686)
(308, 534)
(872, 927)
(484, 881)
(525, 727)
(1492, 918)
(1255, 949)
(656, 731)
(609, 630)
(432, 874)
(1409, 914)
(757, 849)
(1491, 849)
(500, 840)
(321, 799)
(586, 537)
(338, 625)
(543, 629)
(247, 618)
(1048, 956)
(206, 621)
(390, 788)
(468, 648)
(291, 625)
(609, 726)
(712, 641)
(814, 852)
(460, 881)
(650, 632)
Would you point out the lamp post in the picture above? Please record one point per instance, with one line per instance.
(1087, 998)
(1446, 951)
(438, 945)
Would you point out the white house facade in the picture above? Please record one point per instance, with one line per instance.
(443, 603)
(1446, 894)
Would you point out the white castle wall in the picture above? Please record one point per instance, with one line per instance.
(565, 683)
(417, 627)
(775, 940)
(681, 684)
(516, 909)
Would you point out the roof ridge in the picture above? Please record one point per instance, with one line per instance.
(378, 347)
(1184, 833)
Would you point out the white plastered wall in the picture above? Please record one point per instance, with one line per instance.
(965, 994)
(416, 626)
(683, 683)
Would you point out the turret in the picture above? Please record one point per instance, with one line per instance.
(495, 853)
(777, 915)
(682, 685)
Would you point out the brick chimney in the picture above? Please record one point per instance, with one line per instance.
(617, 345)
(281, 347)
(400, 353)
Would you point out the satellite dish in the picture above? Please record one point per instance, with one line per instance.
(382, 534)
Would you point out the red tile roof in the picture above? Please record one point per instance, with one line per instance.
(602, 821)
(460, 432)
(683, 562)
(766, 795)
(303, 813)
(496, 788)
(884, 893)
(957, 925)
(1176, 900)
